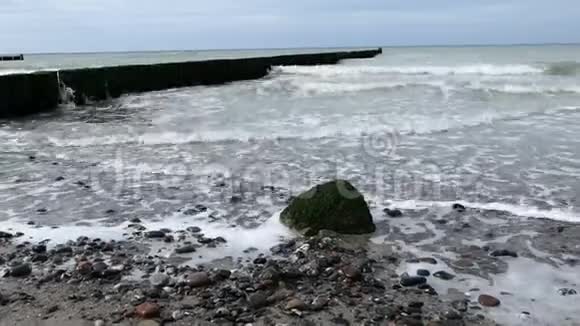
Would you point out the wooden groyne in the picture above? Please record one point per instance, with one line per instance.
(18, 57)
(22, 94)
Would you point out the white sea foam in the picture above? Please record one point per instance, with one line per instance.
(306, 129)
(526, 89)
(567, 215)
(262, 238)
(477, 69)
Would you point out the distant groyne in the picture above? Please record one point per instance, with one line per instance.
(23, 94)
(18, 57)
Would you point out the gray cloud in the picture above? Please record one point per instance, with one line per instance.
(99, 25)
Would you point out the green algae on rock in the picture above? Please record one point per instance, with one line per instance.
(336, 205)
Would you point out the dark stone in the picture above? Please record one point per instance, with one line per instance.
(260, 261)
(444, 275)
(5, 235)
(335, 205)
(352, 272)
(340, 321)
(223, 274)
(135, 220)
(236, 199)
(423, 272)
(21, 270)
(198, 279)
(427, 260)
(64, 250)
(155, 234)
(185, 249)
(99, 268)
(194, 229)
(416, 304)
(393, 212)
(407, 280)
(503, 253)
(565, 292)
(458, 208)
(39, 249)
(39, 258)
(257, 300)
(488, 301)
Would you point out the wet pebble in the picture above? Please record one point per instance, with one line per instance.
(488, 301)
(198, 279)
(458, 208)
(185, 249)
(193, 229)
(503, 253)
(423, 272)
(155, 234)
(565, 292)
(393, 212)
(407, 280)
(21, 270)
(39, 249)
(444, 275)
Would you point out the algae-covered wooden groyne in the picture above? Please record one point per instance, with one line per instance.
(23, 94)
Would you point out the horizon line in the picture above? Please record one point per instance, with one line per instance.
(310, 48)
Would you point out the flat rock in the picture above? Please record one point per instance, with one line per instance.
(5, 235)
(488, 301)
(393, 212)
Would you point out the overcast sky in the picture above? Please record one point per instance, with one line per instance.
(118, 25)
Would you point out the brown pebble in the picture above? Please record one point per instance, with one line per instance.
(488, 301)
(147, 310)
(84, 267)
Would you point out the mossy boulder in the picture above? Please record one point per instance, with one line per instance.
(337, 206)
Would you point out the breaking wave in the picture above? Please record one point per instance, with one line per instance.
(565, 68)
(481, 69)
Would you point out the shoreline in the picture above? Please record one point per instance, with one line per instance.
(114, 277)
